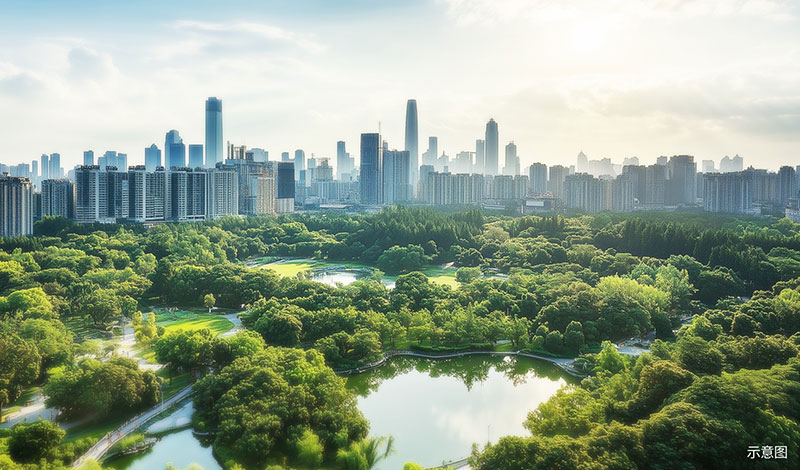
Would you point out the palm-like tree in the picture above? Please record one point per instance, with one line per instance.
(365, 454)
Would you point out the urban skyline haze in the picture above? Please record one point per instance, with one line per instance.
(706, 78)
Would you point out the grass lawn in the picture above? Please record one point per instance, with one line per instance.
(292, 267)
(94, 430)
(178, 382)
(198, 321)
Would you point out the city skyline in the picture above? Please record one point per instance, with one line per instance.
(716, 89)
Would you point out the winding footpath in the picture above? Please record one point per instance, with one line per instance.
(105, 443)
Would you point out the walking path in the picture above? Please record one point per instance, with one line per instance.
(563, 363)
(237, 324)
(105, 443)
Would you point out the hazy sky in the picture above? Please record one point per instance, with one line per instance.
(614, 78)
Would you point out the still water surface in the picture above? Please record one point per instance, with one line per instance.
(435, 409)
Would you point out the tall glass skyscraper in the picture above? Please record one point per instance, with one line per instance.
(213, 132)
(492, 147)
(152, 158)
(412, 142)
(173, 137)
(195, 156)
(88, 158)
(371, 171)
(480, 156)
(177, 156)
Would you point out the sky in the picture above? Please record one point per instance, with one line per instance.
(611, 78)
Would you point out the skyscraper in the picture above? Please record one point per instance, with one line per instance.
(55, 166)
(480, 156)
(152, 157)
(177, 156)
(412, 141)
(173, 137)
(430, 156)
(285, 188)
(344, 164)
(512, 160)
(88, 158)
(682, 187)
(299, 163)
(371, 169)
(45, 166)
(213, 132)
(195, 156)
(492, 147)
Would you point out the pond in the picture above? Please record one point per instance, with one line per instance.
(436, 409)
(344, 277)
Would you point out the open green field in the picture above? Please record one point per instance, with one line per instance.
(191, 321)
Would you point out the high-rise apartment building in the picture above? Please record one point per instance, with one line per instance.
(222, 193)
(16, 206)
(396, 177)
(58, 198)
(512, 160)
(729, 192)
(537, 178)
(682, 187)
(480, 156)
(555, 183)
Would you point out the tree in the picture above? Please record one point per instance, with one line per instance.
(185, 349)
(400, 259)
(280, 329)
(309, 450)
(467, 275)
(31, 442)
(573, 338)
(365, 454)
(609, 359)
(209, 301)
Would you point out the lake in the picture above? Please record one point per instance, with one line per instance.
(435, 409)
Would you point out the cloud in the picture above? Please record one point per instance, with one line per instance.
(86, 64)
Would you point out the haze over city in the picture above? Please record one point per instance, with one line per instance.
(706, 78)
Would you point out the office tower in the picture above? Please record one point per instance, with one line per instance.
(480, 156)
(342, 158)
(109, 159)
(56, 171)
(512, 161)
(537, 177)
(285, 188)
(45, 160)
(432, 154)
(222, 193)
(152, 157)
(34, 172)
(371, 169)
(173, 137)
(16, 206)
(708, 166)
(728, 192)
(412, 142)
(555, 183)
(582, 163)
(299, 163)
(787, 184)
(149, 194)
(196, 156)
(88, 158)
(285, 157)
(682, 180)
(213, 132)
(177, 156)
(58, 198)
(396, 176)
(492, 147)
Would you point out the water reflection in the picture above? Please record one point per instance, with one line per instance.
(436, 409)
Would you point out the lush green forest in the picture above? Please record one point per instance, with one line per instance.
(558, 286)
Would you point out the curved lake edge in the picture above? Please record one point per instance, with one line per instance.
(562, 363)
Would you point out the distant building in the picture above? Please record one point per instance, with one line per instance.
(412, 142)
(480, 156)
(214, 138)
(682, 187)
(196, 156)
(371, 169)
(173, 137)
(728, 192)
(731, 165)
(396, 183)
(285, 188)
(537, 179)
(512, 160)
(152, 157)
(58, 198)
(555, 183)
(177, 156)
(492, 147)
(16, 206)
(149, 194)
(88, 158)
(222, 193)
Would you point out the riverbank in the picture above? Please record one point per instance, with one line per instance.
(562, 363)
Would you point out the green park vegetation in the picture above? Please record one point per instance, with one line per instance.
(568, 285)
